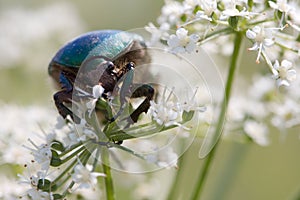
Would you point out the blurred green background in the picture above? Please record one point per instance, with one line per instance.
(240, 171)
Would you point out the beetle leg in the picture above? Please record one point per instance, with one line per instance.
(144, 90)
(65, 96)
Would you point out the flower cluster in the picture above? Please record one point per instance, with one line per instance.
(252, 115)
(272, 27)
(68, 159)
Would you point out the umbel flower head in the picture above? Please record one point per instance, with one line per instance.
(285, 73)
(181, 42)
(84, 176)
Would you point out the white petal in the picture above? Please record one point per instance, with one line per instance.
(181, 33)
(291, 75)
(281, 82)
(231, 12)
(98, 91)
(250, 34)
(173, 41)
(254, 47)
(194, 37)
(273, 5)
(268, 42)
(190, 47)
(199, 14)
(256, 29)
(276, 65)
(179, 49)
(287, 64)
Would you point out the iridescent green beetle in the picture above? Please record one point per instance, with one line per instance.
(117, 53)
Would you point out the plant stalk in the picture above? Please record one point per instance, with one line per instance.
(219, 127)
(108, 179)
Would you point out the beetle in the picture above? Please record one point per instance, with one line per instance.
(117, 53)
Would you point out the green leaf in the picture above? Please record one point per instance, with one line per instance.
(57, 196)
(250, 4)
(233, 22)
(46, 185)
(55, 160)
(187, 116)
(196, 9)
(183, 18)
(221, 6)
(57, 145)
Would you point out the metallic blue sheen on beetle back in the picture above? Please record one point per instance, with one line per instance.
(101, 57)
(108, 43)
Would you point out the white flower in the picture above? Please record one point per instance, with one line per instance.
(42, 154)
(280, 5)
(157, 33)
(164, 114)
(286, 114)
(48, 28)
(97, 93)
(285, 73)
(191, 104)
(233, 11)
(148, 189)
(78, 133)
(166, 158)
(262, 37)
(207, 9)
(257, 132)
(84, 177)
(33, 181)
(261, 86)
(171, 12)
(181, 42)
(39, 195)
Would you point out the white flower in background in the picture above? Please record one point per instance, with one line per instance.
(294, 13)
(286, 114)
(293, 90)
(191, 4)
(157, 33)
(241, 107)
(165, 158)
(262, 38)
(225, 49)
(171, 12)
(281, 5)
(9, 190)
(97, 93)
(207, 9)
(148, 189)
(19, 43)
(42, 154)
(181, 42)
(84, 176)
(261, 86)
(285, 73)
(258, 132)
(232, 11)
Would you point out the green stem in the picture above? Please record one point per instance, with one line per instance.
(176, 182)
(108, 179)
(96, 159)
(70, 149)
(73, 154)
(219, 128)
(214, 35)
